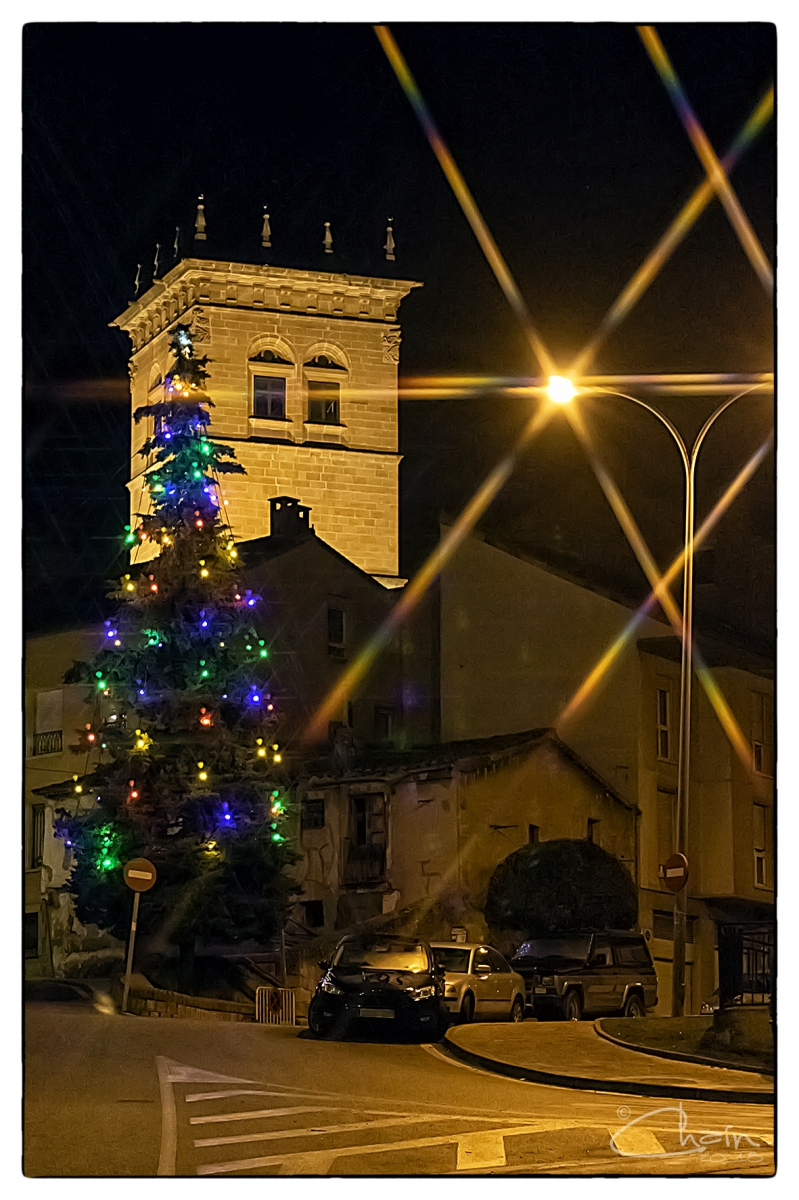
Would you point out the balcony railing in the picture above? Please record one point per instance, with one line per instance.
(48, 743)
(363, 864)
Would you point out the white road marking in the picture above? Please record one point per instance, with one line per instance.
(317, 1162)
(169, 1128)
(354, 1127)
(222, 1095)
(256, 1114)
(313, 1160)
(480, 1150)
(636, 1141)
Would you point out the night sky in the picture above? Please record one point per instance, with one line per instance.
(575, 156)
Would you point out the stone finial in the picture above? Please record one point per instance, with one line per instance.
(176, 246)
(266, 231)
(137, 281)
(155, 260)
(389, 246)
(328, 242)
(199, 224)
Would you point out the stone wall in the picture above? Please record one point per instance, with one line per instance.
(147, 1001)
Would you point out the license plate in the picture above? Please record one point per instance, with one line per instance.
(540, 991)
(386, 1013)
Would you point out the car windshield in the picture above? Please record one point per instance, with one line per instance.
(452, 958)
(389, 956)
(561, 950)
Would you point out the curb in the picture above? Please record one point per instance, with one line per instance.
(580, 1083)
(675, 1054)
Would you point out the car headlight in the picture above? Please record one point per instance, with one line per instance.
(548, 980)
(422, 993)
(327, 985)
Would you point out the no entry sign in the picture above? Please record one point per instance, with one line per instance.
(674, 872)
(139, 874)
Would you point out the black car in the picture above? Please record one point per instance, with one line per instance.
(379, 980)
(587, 973)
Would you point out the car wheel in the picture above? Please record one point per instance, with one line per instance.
(318, 1024)
(467, 1009)
(633, 1006)
(517, 1009)
(572, 1007)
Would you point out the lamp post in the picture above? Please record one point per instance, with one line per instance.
(561, 391)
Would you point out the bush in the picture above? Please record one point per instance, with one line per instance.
(562, 886)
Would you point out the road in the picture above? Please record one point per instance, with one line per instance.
(116, 1096)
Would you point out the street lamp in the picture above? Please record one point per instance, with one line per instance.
(561, 390)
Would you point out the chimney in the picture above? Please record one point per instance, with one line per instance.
(289, 518)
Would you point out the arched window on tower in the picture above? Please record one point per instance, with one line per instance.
(323, 376)
(268, 372)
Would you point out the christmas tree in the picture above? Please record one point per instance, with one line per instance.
(188, 769)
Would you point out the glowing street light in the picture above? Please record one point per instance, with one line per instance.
(560, 389)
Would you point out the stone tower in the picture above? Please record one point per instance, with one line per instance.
(303, 376)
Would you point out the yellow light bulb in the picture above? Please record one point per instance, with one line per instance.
(259, 741)
(262, 753)
(278, 758)
(203, 775)
(560, 389)
(201, 765)
(78, 788)
(204, 573)
(275, 746)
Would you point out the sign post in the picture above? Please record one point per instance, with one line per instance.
(139, 876)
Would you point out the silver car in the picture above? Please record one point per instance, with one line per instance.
(479, 982)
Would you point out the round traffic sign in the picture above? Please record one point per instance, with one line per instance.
(139, 874)
(675, 872)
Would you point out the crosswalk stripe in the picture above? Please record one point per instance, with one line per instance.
(483, 1149)
(313, 1160)
(635, 1141)
(221, 1118)
(276, 1134)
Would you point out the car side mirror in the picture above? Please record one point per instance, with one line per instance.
(322, 965)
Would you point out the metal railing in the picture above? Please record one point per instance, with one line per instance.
(275, 1006)
(746, 964)
(48, 743)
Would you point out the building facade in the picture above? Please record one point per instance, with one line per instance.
(303, 378)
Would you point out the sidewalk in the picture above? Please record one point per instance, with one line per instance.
(571, 1054)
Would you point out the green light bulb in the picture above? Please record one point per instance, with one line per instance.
(264, 654)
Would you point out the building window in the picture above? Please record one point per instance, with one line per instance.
(335, 631)
(665, 824)
(30, 934)
(760, 831)
(323, 402)
(384, 723)
(592, 833)
(314, 911)
(534, 834)
(269, 398)
(36, 836)
(762, 736)
(48, 735)
(365, 849)
(312, 813)
(663, 724)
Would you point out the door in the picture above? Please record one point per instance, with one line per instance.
(601, 979)
(484, 983)
(503, 978)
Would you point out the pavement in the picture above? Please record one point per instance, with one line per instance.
(574, 1055)
(111, 1096)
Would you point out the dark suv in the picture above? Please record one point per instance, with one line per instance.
(590, 973)
(383, 980)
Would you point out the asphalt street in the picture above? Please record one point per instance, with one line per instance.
(113, 1096)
